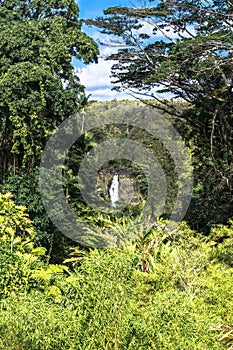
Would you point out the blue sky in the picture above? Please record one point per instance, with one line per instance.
(90, 8)
(96, 77)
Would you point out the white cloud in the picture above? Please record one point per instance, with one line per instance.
(95, 75)
(96, 79)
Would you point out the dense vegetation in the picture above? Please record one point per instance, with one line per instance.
(163, 286)
(103, 300)
(184, 49)
(38, 91)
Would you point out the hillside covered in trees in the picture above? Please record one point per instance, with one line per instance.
(164, 281)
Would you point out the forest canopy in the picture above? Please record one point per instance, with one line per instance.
(183, 49)
(164, 284)
(38, 87)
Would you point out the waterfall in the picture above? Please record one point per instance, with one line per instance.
(114, 190)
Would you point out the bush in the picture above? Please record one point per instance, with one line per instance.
(106, 302)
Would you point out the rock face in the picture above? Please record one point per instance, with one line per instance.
(120, 187)
(128, 193)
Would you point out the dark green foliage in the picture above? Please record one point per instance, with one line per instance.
(26, 192)
(38, 90)
(126, 169)
(211, 200)
(188, 54)
(38, 86)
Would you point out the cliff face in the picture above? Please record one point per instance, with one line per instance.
(128, 187)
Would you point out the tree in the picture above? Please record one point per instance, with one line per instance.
(38, 90)
(38, 87)
(184, 49)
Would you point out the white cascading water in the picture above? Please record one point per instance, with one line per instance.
(114, 190)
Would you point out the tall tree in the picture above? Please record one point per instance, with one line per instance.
(183, 48)
(38, 90)
(38, 87)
